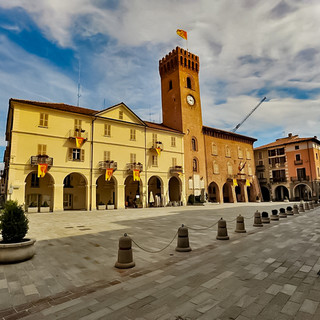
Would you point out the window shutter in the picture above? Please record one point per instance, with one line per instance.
(70, 154)
(82, 154)
(44, 149)
(46, 116)
(39, 149)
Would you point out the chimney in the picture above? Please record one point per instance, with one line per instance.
(290, 135)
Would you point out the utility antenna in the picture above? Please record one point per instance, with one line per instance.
(79, 95)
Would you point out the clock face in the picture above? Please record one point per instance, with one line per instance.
(190, 100)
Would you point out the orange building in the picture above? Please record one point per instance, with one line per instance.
(289, 168)
(217, 163)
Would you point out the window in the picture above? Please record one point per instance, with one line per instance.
(154, 139)
(188, 82)
(34, 180)
(248, 154)
(260, 155)
(228, 153)
(229, 168)
(132, 134)
(173, 141)
(318, 171)
(317, 156)
(42, 149)
(77, 127)
(121, 115)
(194, 146)
(154, 160)
(195, 165)
(76, 154)
(43, 120)
(260, 163)
(170, 85)
(174, 162)
(240, 153)
(133, 158)
(272, 153)
(298, 157)
(67, 182)
(107, 130)
(296, 147)
(214, 149)
(249, 170)
(106, 156)
(215, 167)
(301, 173)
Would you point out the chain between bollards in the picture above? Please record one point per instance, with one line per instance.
(202, 229)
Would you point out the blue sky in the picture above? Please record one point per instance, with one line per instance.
(248, 49)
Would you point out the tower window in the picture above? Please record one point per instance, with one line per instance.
(194, 146)
(170, 85)
(188, 83)
(195, 165)
(181, 60)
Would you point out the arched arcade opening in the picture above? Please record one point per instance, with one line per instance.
(133, 193)
(106, 192)
(75, 192)
(155, 192)
(213, 192)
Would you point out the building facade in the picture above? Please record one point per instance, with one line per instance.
(289, 168)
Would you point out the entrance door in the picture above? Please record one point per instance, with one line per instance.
(67, 201)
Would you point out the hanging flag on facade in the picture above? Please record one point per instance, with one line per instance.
(248, 183)
(241, 165)
(183, 34)
(79, 141)
(136, 175)
(158, 151)
(235, 183)
(109, 173)
(42, 169)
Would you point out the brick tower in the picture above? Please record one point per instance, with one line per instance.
(181, 110)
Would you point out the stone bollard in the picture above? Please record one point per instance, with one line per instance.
(265, 217)
(274, 215)
(282, 213)
(295, 209)
(125, 257)
(306, 206)
(257, 219)
(222, 230)
(240, 228)
(183, 240)
(301, 207)
(289, 211)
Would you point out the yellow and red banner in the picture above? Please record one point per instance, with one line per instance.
(136, 175)
(158, 151)
(42, 169)
(183, 34)
(79, 142)
(235, 183)
(109, 173)
(248, 183)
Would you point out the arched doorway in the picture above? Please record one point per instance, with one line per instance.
(174, 190)
(251, 193)
(213, 192)
(302, 192)
(155, 192)
(106, 191)
(133, 193)
(281, 193)
(39, 191)
(265, 194)
(239, 189)
(227, 193)
(75, 192)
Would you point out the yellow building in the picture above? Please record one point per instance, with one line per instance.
(91, 157)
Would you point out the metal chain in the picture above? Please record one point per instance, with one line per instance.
(232, 220)
(156, 251)
(249, 217)
(201, 229)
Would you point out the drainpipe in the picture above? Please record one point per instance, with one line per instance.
(310, 169)
(145, 161)
(91, 163)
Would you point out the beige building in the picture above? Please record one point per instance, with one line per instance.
(114, 140)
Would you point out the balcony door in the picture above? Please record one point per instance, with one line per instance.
(301, 174)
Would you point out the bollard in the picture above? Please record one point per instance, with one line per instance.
(183, 240)
(265, 217)
(240, 228)
(295, 209)
(222, 230)
(301, 207)
(274, 215)
(257, 219)
(282, 213)
(125, 257)
(289, 211)
(306, 206)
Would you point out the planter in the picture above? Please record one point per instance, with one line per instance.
(32, 209)
(16, 252)
(101, 207)
(110, 206)
(44, 209)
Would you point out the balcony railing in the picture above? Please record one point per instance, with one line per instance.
(298, 179)
(156, 145)
(262, 180)
(80, 133)
(41, 159)
(278, 165)
(278, 179)
(134, 166)
(260, 167)
(176, 169)
(108, 165)
(297, 162)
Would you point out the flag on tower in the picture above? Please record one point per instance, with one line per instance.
(183, 34)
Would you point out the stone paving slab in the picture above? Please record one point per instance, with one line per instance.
(218, 279)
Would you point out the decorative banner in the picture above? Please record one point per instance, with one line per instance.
(235, 183)
(136, 175)
(79, 141)
(241, 166)
(42, 169)
(183, 34)
(158, 151)
(109, 173)
(248, 183)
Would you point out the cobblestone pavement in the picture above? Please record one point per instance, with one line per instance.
(266, 273)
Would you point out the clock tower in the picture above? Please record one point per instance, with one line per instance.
(181, 110)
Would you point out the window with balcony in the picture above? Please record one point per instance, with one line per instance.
(77, 126)
(301, 174)
(279, 176)
(42, 149)
(298, 157)
(44, 119)
(154, 139)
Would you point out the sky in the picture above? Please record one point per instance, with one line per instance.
(248, 49)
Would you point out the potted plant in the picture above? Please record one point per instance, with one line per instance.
(110, 205)
(45, 207)
(14, 226)
(101, 206)
(32, 207)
